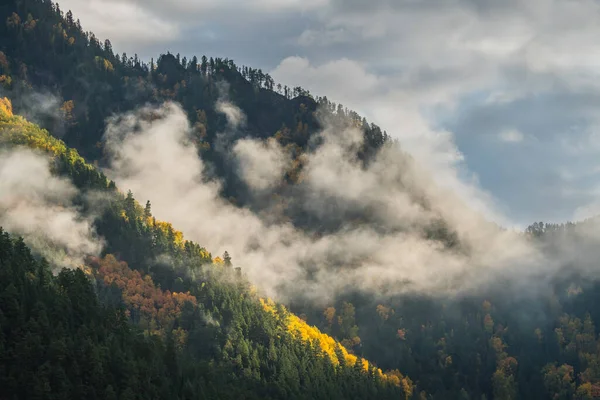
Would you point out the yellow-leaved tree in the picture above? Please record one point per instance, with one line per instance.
(331, 348)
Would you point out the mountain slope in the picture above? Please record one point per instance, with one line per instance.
(210, 313)
(507, 338)
(44, 50)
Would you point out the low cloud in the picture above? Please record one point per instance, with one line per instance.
(393, 220)
(235, 116)
(261, 164)
(398, 106)
(39, 207)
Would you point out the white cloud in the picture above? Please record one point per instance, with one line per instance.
(511, 136)
(343, 78)
(327, 38)
(398, 198)
(288, 5)
(387, 253)
(126, 23)
(39, 207)
(235, 118)
(396, 106)
(262, 165)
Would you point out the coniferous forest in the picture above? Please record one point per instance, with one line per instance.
(140, 311)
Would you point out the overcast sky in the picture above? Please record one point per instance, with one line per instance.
(498, 98)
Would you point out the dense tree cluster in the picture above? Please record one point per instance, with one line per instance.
(508, 342)
(57, 341)
(148, 306)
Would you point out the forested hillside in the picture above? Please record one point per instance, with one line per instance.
(60, 341)
(224, 342)
(148, 313)
(74, 82)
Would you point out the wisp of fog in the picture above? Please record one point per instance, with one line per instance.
(38, 206)
(389, 254)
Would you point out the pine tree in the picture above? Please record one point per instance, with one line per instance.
(227, 259)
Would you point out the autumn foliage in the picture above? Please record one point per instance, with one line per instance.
(336, 352)
(5, 108)
(16, 130)
(157, 309)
